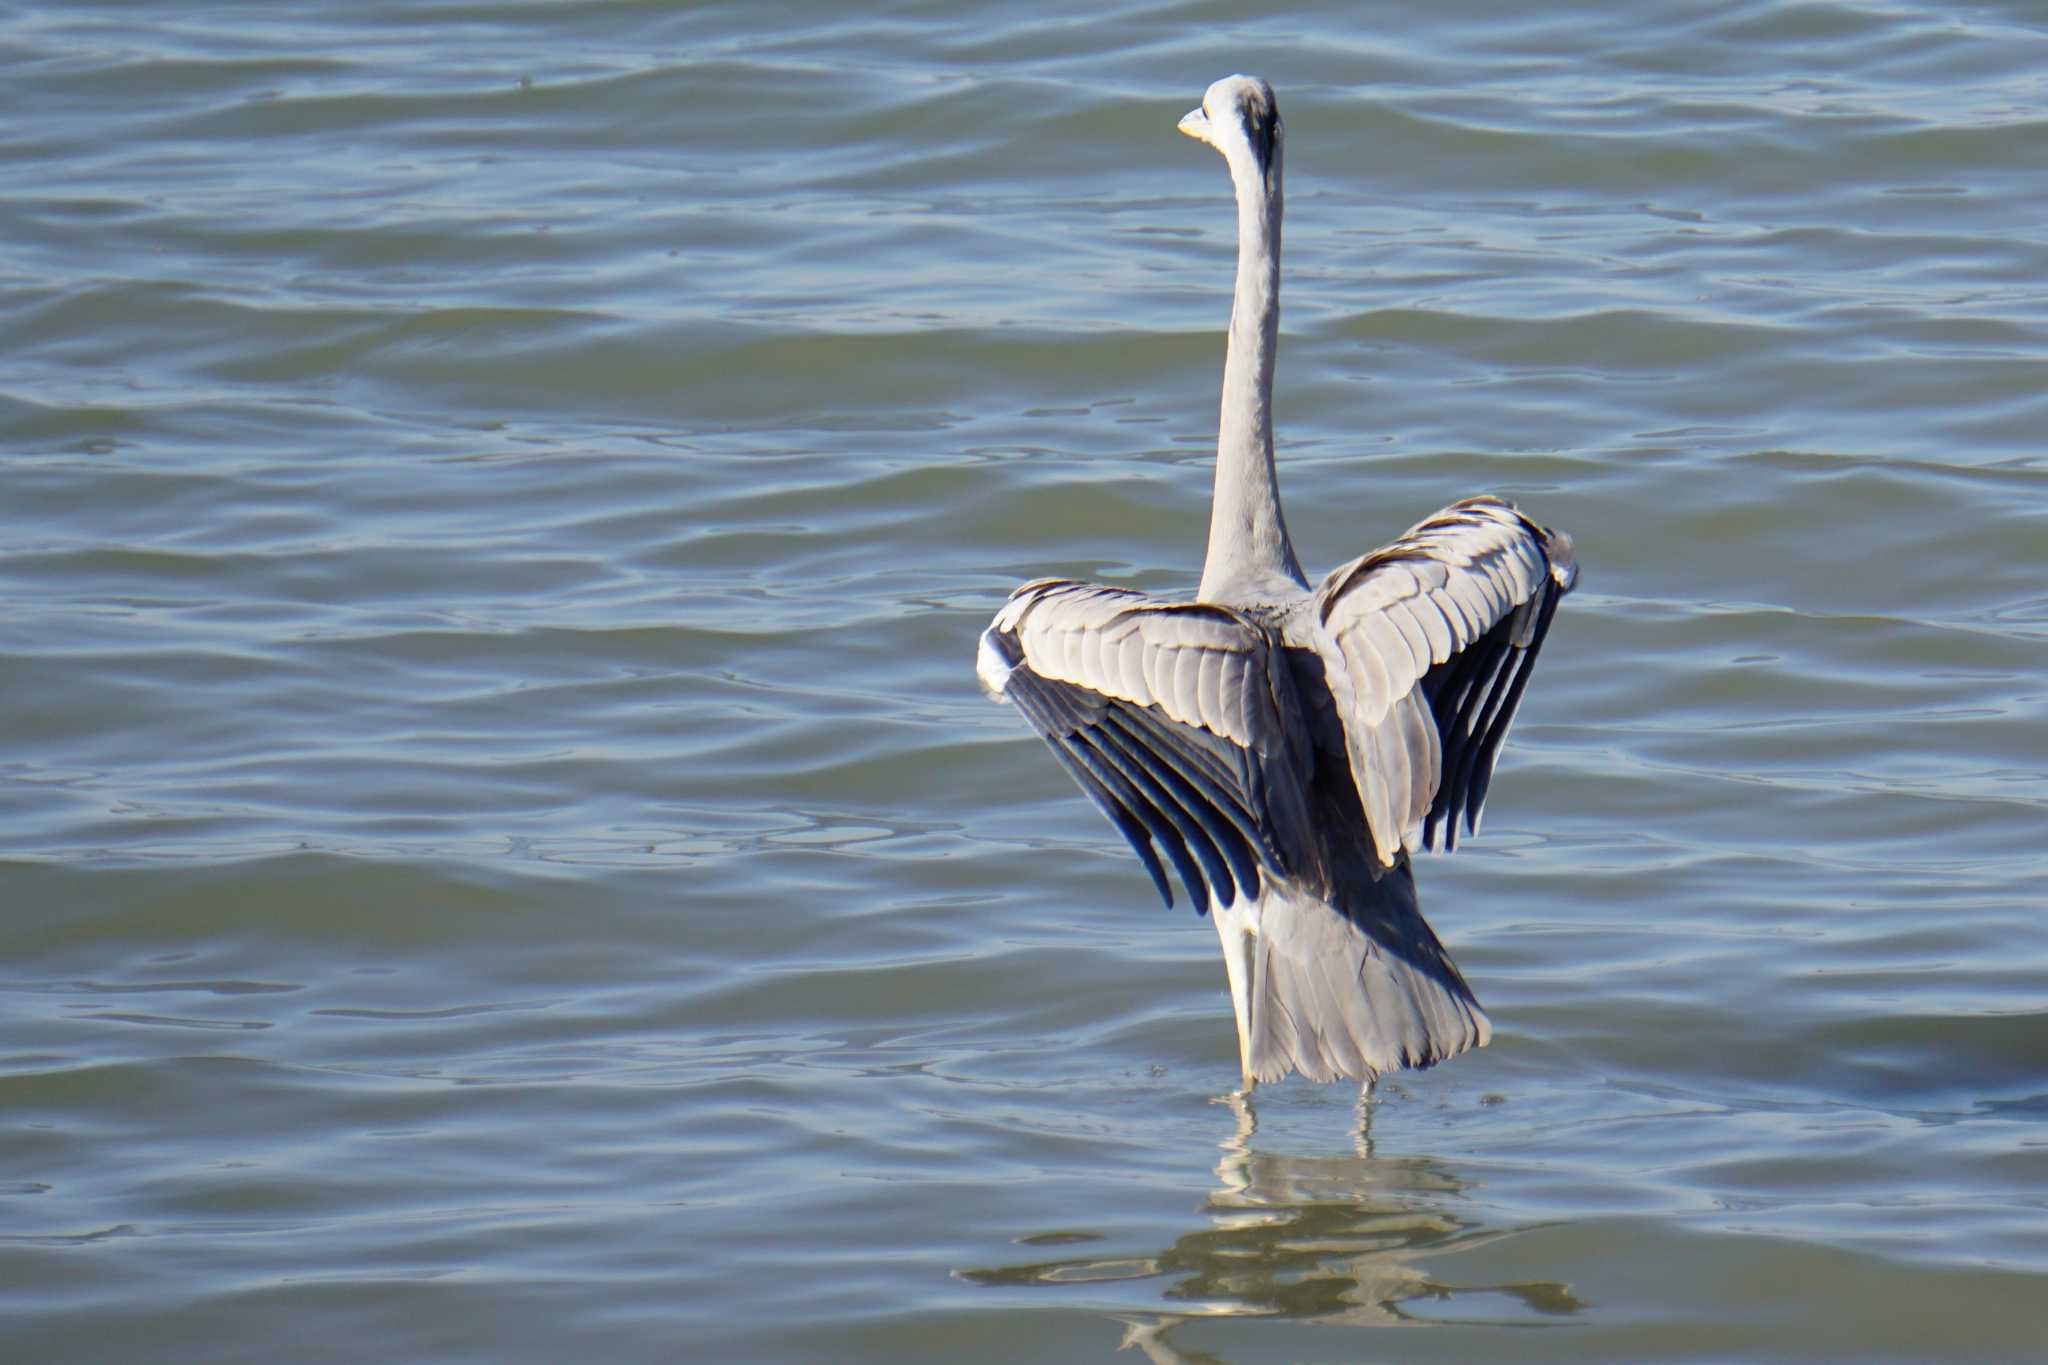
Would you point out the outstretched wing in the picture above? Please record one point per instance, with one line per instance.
(1427, 645)
(1176, 719)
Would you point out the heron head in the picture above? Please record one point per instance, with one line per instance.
(1239, 118)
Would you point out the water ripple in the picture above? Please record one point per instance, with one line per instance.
(502, 849)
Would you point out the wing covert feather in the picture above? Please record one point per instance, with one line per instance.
(1166, 715)
(1427, 644)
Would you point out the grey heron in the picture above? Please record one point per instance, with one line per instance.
(1285, 748)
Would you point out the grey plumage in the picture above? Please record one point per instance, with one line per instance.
(1282, 749)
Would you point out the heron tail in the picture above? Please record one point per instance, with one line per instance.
(1343, 991)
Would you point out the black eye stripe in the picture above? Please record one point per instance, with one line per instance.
(1261, 123)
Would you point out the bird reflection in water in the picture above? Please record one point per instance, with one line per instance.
(1339, 1239)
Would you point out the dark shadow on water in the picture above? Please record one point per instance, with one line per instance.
(1345, 1238)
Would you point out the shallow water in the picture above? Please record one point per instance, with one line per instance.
(503, 852)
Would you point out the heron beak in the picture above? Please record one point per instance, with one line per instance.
(1195, 124)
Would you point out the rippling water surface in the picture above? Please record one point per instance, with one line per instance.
(502, 854)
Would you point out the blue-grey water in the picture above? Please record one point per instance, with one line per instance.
(502, 856)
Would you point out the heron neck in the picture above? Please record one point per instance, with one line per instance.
(1248, 546)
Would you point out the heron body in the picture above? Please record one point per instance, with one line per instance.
(1282, 748)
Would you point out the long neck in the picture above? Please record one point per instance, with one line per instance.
(1248, 545)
